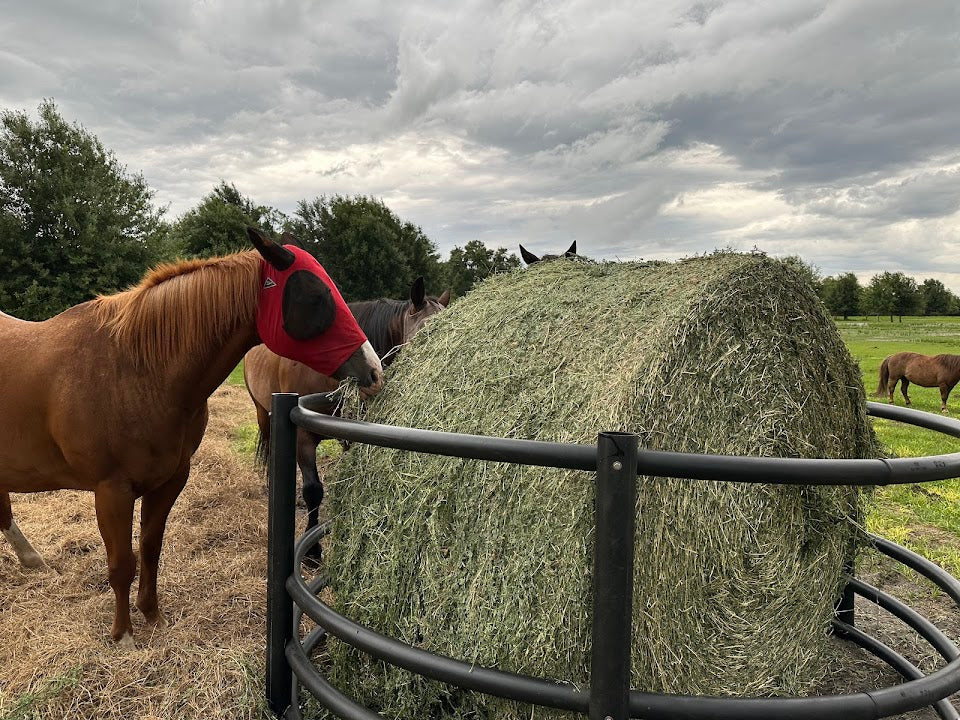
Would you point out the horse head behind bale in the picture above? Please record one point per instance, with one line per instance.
(529, 258)
(111, 395)
(388, 323)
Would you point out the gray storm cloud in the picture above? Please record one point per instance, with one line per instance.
(645, 129)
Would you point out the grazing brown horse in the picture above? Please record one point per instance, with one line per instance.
(942, 371)
(388, 324)
(111, 395)
(529, 258)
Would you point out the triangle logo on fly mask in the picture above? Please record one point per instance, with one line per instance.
(302, 315)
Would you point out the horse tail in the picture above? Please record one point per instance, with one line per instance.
(884, 377)
(263, 450)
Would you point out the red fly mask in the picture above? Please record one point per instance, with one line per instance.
(302, 316)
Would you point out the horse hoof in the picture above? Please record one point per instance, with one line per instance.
(33, 560)
(158, 621)
(126, 642)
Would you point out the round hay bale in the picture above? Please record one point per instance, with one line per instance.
(490, 563)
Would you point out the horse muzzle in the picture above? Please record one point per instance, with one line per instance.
(372, 384)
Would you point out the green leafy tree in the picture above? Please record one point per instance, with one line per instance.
(894, 294)
(842, 294)
(366, 248)
(73, 221)
(474, 262)
(217, 225)
(937, 299)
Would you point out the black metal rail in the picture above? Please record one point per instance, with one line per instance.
(617, 461)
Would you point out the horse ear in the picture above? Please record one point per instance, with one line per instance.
(572, 250)
(444, 298)
(528, 257)
(276, 255)
(418, 293)
(288, 238)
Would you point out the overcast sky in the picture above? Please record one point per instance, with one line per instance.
(651, 129)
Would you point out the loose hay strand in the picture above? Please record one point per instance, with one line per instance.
(491, 563)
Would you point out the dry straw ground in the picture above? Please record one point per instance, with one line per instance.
(56, 658)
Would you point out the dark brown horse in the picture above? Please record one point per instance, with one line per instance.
(942, 371)
(111, 395)
(529, 258)
(389, 324)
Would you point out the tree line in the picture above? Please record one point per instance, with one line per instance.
(891, 294)
(74, 223)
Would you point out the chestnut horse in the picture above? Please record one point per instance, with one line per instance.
(388, 324)
(942, 371)
(111, 395)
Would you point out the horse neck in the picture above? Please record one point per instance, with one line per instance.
(380, 321)
(187, 325)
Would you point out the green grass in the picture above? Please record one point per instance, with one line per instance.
(34, 705)
(236, 376)
(925, 518)
(245, 440)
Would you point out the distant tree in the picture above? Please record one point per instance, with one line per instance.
(894, 294)
(73, 221)
(217, 225)
(808, 270)
(366, 248)
(938, 300)
(841, 294)
(474, 262)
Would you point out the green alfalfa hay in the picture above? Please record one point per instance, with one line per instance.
(490, 563)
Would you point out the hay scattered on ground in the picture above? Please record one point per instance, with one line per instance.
(56, 657)
(489, 563)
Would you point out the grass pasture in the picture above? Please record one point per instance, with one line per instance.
(925, 518)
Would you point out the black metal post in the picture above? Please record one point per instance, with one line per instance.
(281, 528)
(613, 576)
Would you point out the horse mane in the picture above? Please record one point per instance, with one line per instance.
(374, 318)
(951, 362)
(182, 308)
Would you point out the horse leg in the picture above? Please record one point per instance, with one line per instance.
(312, 487)
(21, 546)
(891, 388)
(154, 510)
(904, 384)
(944, 394)
(114, 505)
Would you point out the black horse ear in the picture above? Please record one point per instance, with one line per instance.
(308, 307)
(276, 255)
(418, 293)
(572, 250)
(528, 257)
(288, 238)
(444, 298)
